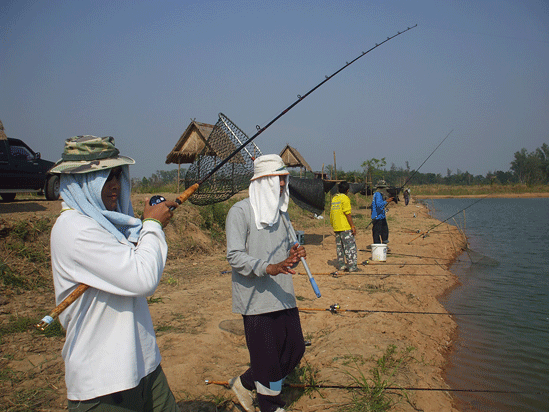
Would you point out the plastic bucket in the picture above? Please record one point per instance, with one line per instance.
(379, 252)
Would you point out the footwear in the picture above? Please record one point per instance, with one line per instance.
(243, 395)
(353, 269)
(280, 410)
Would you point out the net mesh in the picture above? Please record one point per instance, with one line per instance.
(233, 176)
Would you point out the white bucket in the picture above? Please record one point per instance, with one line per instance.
(379, 252)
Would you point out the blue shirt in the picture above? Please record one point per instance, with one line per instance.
(378, 206)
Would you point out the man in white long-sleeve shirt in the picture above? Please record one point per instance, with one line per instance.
(261, 256)
(112, 361)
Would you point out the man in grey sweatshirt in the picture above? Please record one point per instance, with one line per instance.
(262, 257)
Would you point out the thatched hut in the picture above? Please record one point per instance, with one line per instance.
(292, 158)
(189, 145)
(2, 133)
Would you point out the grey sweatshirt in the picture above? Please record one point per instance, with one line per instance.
(249, 252)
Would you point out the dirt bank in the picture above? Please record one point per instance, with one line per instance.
(201, 339)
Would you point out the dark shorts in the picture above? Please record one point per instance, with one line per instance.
(152, 394)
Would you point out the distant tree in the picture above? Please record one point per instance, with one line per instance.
(531, 168)
(373, 169)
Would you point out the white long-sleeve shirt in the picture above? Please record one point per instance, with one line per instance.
(110, 342)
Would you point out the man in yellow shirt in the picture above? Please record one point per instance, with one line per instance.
(345, 231)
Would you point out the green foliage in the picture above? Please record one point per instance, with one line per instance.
(161, 181)
(213, 218)
(10, 278)
(372, 394)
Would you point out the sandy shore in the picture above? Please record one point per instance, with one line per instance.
(203, 340)
(200, 339)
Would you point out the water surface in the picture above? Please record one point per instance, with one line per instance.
(503, 344)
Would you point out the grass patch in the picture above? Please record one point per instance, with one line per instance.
(371, 393)
(25, 324)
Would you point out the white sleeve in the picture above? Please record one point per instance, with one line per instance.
(84, 252)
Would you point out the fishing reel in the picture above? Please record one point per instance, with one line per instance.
(334, 308)
(156, 199)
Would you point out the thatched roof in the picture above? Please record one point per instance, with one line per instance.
(292, 158)
(2, 133)
(191, 142)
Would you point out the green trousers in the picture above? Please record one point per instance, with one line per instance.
(153, 394)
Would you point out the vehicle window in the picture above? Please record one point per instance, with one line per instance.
(21, 153)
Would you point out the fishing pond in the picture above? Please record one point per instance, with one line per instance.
(501, 355)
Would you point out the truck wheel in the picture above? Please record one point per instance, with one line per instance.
(52, 188)
(8, 197)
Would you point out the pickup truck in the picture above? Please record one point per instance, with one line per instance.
(22, 170)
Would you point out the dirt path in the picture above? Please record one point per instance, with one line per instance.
(207, 340)
(200, 338)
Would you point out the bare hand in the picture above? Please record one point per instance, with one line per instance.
(160, 211)
(296, 253)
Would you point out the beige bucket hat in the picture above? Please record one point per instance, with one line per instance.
(269, 165)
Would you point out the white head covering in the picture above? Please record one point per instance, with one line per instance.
(265, 197)
(82, 192)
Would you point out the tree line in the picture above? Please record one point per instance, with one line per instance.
(529, 168)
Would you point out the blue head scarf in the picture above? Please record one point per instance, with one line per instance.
(82, 192)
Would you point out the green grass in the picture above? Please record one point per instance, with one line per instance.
(373, 394)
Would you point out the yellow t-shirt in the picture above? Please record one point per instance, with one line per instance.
(341, 206)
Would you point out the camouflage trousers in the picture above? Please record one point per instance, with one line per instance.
(346, 249)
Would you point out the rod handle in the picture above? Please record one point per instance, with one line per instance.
(75, 294)
(187, 193)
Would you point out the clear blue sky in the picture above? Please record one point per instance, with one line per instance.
(141, 70)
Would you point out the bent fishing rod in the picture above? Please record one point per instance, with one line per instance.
(189, 191)
(389, 388)
(413, 174)
(47, 320)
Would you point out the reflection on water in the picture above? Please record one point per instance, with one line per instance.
(505, 280)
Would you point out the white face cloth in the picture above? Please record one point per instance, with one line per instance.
(266, 200)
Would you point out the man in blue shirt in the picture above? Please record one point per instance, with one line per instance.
(380, 229)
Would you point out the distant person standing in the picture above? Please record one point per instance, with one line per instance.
(344, 229)
(406, 196)
(380, 229)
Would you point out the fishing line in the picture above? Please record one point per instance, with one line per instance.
(391, 388)
(395, 255)
(445, 220)
(335, 308)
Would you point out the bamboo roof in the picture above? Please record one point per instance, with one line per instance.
(2, 133)
(292, 158)
(191, 143)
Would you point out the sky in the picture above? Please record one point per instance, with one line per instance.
(140, 71)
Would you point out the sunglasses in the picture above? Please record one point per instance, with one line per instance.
(116, 172)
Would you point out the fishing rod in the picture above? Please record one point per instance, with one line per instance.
(396, 255)
(391, 388)
(423, 234)
(412, 175)
(189, 191)
(47, 320)
(335, 308)
(417, 170)
(338, 274)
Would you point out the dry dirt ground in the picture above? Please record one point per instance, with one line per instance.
(200, 339)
